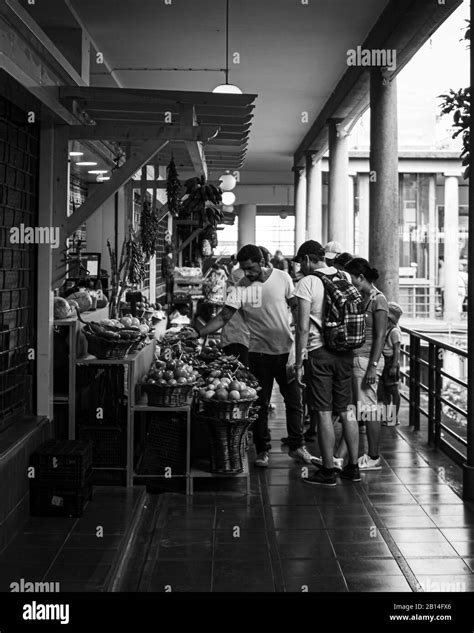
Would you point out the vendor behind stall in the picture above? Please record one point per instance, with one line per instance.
(235, 333)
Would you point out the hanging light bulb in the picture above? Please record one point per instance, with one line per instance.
(227, 181)
(227, 88)
(228, 198)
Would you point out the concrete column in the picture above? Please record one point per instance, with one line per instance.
(350, 214)
(432, 245)
(451, 247)
(364, 194)
(300, 206)
(337, 193)
(247, 214)
(384, 213)
(314, 198)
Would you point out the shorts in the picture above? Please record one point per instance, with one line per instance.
(364, 396)
(328, 378)
(386, 378)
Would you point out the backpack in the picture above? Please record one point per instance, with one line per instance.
(343, 323)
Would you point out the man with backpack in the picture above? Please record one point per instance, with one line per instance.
(330, 325)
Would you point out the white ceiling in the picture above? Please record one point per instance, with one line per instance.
(292, 55)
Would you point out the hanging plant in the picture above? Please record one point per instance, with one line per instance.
(203, 199)
(136, 258)
(173, 190)
(149, 230)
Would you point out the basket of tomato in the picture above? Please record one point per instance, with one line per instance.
(170, 383)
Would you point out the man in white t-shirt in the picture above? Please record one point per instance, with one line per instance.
(328, 374)
(265, 304)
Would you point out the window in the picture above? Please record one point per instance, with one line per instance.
(276, 234)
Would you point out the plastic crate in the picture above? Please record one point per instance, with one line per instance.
(49, 498)
(108, 445)
(68, 461)
(165, 446)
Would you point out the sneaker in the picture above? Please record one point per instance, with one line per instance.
(302, 455)
(365, 463)
(263, 459)
(337, 461)
(350, 472)
(338, 464)
(321, 479)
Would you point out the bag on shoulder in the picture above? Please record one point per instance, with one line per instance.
(343, 322)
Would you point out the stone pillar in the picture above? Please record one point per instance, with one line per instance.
(364, 194)
(247, 214)
(314, 198)
(432, 245)
(384, 246)
(451, 247)
(337, 192)
(300, 205)
(349, 247)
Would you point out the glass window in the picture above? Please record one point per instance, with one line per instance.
(276, 234)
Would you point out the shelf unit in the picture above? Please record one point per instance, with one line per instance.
(73, 326)
(136, 367)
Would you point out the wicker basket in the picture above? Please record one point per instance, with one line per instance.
(228, 443)
(168, 395)
(106, 349)
(137, 344)
(226, 409)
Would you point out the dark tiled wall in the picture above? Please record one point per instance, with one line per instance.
(19, 154)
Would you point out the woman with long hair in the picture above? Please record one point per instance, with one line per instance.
(367, 361)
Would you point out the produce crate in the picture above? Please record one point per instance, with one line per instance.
(101, 386)
(58, 498)
(165, 445)
(108, 445)
(65, 461)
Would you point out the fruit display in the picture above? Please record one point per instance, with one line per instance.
(227, 388)
(171, 373)
(113, 338)
(62, 308)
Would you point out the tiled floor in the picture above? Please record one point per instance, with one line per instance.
(402, 529)
(399, 530)
(79, 554)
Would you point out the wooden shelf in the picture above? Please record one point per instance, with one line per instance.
(145, 408)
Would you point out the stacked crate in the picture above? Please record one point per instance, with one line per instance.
(60, 478)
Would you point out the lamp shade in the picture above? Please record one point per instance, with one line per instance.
(227, 182)
(228, 207)
(228, 89)
(228, 198)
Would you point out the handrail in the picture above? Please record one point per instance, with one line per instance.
(433, 391)
(430, 339)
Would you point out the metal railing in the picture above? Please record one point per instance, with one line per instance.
(432, 400)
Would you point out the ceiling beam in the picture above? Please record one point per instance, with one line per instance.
(113, 131)
(119, 177)
(405, 25)
(134, 95)
(196, 154)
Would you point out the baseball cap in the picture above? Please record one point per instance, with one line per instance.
(394, 311)
(333, 249)
(311, 247)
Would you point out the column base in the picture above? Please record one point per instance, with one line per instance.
(468, 482)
